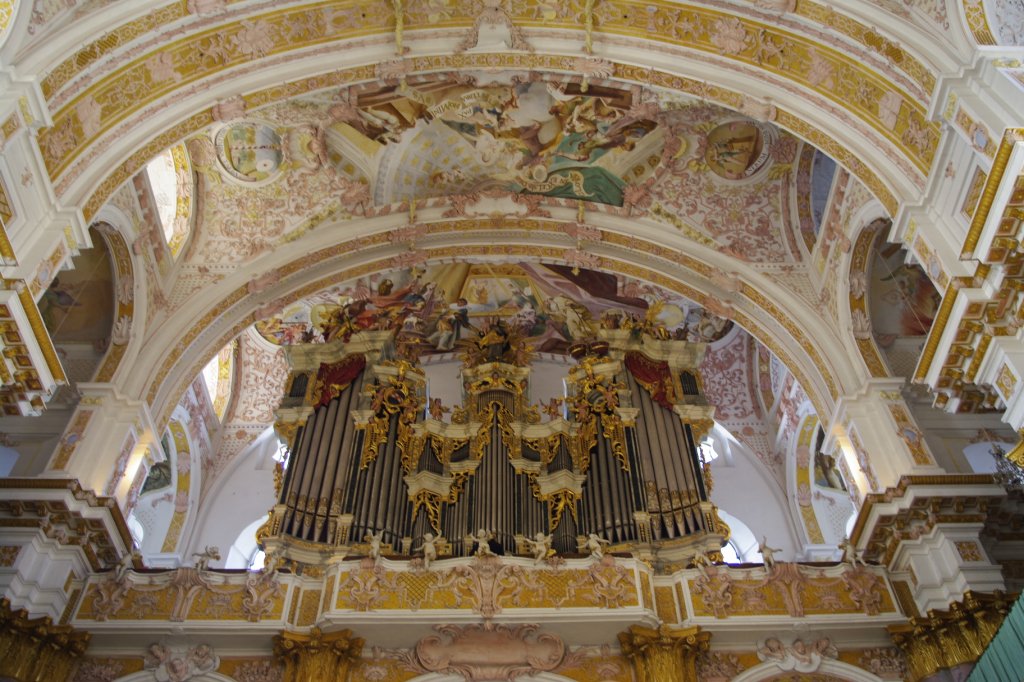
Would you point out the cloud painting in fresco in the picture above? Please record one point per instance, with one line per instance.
(550, 304)
(536, 137)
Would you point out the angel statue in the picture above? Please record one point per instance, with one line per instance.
(375, 540)
(541, 547)
(429, 548)
(767, 554)
(595, 545)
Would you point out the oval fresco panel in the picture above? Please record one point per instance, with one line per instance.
(249, 152)
(737, 150)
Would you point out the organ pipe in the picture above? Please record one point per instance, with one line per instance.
(622, 462)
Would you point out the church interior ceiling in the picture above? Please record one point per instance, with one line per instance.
(468, 204)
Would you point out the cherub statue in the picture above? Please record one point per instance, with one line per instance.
(127, 563)
(437, 410)
(541, 546)
(203, 559)
(767, 554)
(553, 408)
(375, 540)
(595, 545)
(850, 554)
(429, 548)
(483, 542)
(701, 561)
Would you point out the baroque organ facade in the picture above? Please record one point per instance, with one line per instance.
(428, 340)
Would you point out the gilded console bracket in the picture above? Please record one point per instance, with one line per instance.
(664, 654)
(944, 640)
(36, 650)
(317, 655)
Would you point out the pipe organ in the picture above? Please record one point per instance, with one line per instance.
(617, 456)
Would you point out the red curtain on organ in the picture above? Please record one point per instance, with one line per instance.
(653, 375)
(334, 378)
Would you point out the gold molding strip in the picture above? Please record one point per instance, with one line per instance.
(995, 178)
(35, 321)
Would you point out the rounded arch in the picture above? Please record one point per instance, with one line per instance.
(777, 318)
(125, 138)
(124, 300)
(442, 677)
(147, 676)
(130, 290)
(188, 472)
(857, 315)
(837, 669)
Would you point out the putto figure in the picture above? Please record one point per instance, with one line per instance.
(541, 547)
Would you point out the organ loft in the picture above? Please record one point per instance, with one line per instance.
(376, 465)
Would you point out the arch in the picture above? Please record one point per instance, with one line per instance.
(845, 671)
(187, 474)
(148, 676)
(802, 492)
(124, 297)
(767, 311)
(442, 677)
(125, 140)
(858, 297)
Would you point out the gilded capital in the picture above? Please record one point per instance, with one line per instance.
(943, 640)
(317, 655)
(664, 654)
(36, 650)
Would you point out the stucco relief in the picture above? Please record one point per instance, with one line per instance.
(1007, 17)
(488, 652)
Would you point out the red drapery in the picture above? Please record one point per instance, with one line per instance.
(653, 375)
(335, 377)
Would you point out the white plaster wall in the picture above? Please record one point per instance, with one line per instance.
(546, 378)
(744, 488)
(241, 494)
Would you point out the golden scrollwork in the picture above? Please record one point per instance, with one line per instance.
(430, 501)
(35, 648)
(942, 640)
(547, 447)
(393, 396)
(558, 502)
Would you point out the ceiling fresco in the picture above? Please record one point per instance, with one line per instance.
(539, 137)
(551, 305)
(463, 141)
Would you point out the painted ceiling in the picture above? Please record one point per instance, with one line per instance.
(466, 140)
(550, 305)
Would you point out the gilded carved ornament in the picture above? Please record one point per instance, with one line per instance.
(664, 653)
(36, 650)
(942, 640)
(317, 655)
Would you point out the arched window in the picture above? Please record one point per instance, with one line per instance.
(218, 375)
(170, 180)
